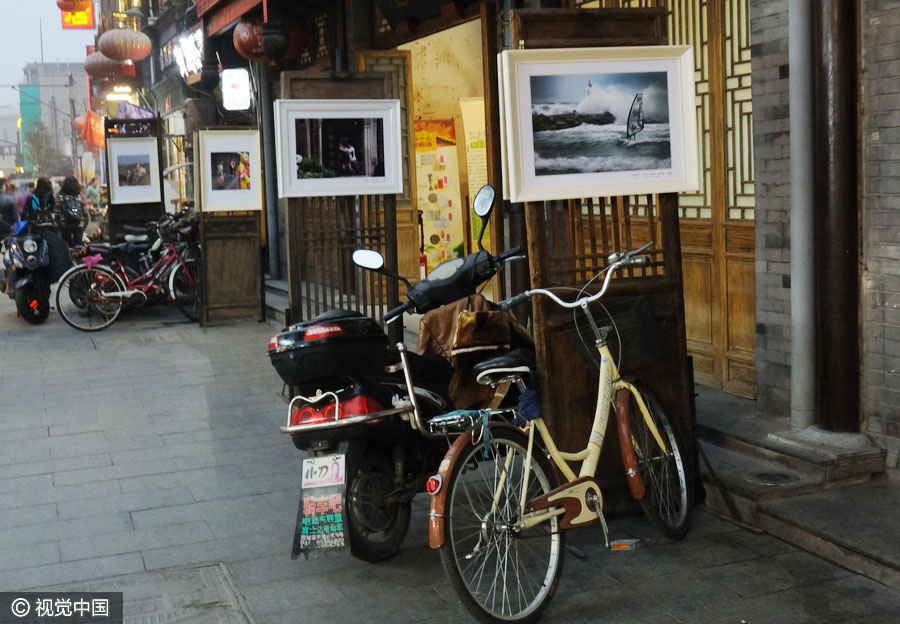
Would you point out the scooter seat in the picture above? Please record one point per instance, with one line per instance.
(513, 364)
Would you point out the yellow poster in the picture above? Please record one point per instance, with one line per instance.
(472, 110)
(437, 179)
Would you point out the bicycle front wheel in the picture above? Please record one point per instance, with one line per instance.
(83, 299)
(501, 573)
(184, 286)
(667, 480)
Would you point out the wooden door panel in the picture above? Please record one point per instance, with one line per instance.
(740, 295)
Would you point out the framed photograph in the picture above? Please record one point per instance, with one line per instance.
(230, 170)
(595, 122)
(338, 147)
(133, 170)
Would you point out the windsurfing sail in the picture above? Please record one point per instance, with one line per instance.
(635, 117)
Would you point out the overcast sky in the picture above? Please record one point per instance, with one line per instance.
(23, 22)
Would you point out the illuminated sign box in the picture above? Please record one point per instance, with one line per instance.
(82, 20)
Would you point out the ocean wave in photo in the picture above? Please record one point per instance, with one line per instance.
(591, 148)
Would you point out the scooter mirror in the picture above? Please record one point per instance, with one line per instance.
(484, 200)
(368, 259)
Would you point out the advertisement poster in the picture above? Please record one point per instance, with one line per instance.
(472, 110)
(437, 177)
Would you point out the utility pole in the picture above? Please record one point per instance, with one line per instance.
(75, 170)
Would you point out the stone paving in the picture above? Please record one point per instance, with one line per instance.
(146, 458)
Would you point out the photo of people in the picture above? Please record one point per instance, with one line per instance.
(230, 171)
(134, 169)
(333, 148)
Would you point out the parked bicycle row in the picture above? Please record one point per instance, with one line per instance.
(462, 420)
(97, 281)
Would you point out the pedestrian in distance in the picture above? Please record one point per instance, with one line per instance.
(71, 210)
(8, 212)
(40, 205)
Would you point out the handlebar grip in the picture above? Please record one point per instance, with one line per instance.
(506, 304)
(395, 312)
(510, 253)
(639, 261)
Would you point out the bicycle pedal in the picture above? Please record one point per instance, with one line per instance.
(624, 544)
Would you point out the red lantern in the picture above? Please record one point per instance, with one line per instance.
(123, 44)
(247, 38)
(98, 65)
(73, 6)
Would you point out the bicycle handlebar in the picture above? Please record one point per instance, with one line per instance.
(617, 261)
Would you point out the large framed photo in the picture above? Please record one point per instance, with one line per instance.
(230, 170)
(595, 122)
(338, 147)
(134, 170)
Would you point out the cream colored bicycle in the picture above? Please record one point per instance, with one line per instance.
(499, 512)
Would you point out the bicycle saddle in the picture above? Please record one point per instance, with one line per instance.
(514, 363)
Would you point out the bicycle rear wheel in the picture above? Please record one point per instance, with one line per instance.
(668, 481)
(82, 299)
(500, 573)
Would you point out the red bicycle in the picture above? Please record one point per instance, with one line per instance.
(91, 295)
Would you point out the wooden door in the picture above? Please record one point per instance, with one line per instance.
(717, 226)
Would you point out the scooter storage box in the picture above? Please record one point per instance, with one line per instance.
(337, 343)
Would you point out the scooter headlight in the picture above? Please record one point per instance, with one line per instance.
(31, 260)
(29, 245)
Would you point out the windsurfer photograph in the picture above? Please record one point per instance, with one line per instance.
(618, 122)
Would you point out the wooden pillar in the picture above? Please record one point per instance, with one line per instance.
(837, 235)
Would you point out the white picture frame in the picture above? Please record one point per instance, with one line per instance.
(134, 170)
(567, 133)
(319, 127)
(230, 171)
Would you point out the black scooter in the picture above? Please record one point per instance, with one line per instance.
(34, 257)
(361, 407)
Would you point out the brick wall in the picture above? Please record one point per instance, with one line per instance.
(880, 114)
(769, 52)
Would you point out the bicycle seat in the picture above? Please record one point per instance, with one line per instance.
(513, 364)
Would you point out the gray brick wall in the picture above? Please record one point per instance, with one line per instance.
(880, 282)
(769, 38)
(880, 223)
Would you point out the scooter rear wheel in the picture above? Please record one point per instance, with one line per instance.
(376, 527)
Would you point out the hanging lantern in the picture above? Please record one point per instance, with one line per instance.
(123, 44)
(248, 37)
(73, 6)
(98, 65)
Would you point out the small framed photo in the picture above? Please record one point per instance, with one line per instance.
(134, 170)
(230, 170)
(338, 147)
(595, 122)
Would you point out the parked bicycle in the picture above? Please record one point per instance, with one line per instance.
(92, 295)
(498, 513)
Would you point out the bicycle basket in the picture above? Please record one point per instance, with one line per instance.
(637, 329)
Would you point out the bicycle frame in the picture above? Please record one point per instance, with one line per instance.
(154, 279)
(581, 487)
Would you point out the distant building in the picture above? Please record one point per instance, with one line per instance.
(9, 143)
(54, 94)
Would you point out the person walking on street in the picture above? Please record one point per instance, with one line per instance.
(8, 212)
(40, 205)
(92, 194)
(72, 211)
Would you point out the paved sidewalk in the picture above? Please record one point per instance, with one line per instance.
(146, 458)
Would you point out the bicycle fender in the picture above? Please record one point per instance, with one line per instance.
(439, 500)
(629, 460)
